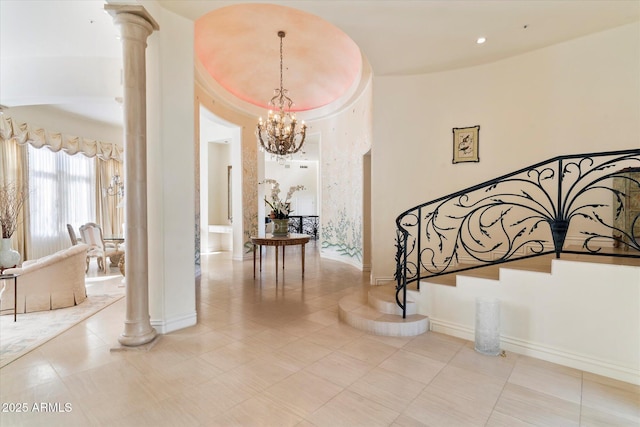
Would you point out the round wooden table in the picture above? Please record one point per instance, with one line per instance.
(271, 240)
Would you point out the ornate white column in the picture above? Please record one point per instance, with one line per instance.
(135, 27)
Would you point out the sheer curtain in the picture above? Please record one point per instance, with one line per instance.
(62, 191)
(109, 207)
(13, 170)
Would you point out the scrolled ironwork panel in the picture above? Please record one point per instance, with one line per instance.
(310, 225)
(598, 192)
(586, 203)
(304, 224)
(295, 224)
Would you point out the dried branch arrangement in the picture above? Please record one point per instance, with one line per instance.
(12, 200)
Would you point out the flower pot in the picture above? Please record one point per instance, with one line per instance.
(8, 257)
(281, 227)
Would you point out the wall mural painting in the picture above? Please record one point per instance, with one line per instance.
(341, 230)
(197, 255)
(249, 195)
(344, 236)
(198, 236)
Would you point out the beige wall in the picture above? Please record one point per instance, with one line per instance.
(171, 175)
(576, 97)
(569, 316)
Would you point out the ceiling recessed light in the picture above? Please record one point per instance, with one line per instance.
(481, 40)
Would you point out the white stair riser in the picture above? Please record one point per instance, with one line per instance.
(380, 327)
(390, 307)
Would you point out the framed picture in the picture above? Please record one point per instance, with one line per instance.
(465, 144)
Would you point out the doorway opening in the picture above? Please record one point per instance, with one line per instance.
(302, 169)
(220, 155)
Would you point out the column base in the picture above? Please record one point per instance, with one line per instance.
(136, 340)
(142, 347)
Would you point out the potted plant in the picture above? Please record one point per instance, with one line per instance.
(280, 209)
(12, 200)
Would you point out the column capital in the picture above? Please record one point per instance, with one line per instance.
(116, 9)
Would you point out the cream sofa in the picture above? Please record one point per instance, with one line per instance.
(54, 281)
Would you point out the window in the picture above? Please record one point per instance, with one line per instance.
(62, 191)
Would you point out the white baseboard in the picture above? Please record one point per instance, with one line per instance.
(174, 324)
(550, 354)
(379, 281)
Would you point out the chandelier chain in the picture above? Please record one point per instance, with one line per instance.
(280, 134)
(281, 37)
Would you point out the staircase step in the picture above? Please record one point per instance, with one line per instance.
(542, 264)
(361, 314)
(383, 299)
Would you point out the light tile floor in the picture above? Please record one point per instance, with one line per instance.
(267, 354)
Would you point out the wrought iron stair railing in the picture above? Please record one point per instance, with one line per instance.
(584, 204)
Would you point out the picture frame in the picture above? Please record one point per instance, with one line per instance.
(465, 144)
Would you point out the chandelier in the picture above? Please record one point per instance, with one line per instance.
(116, 188)
(279, 134)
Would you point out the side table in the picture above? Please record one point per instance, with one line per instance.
(271, 240)
(15, 292)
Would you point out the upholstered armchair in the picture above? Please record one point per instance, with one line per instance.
(92, 235)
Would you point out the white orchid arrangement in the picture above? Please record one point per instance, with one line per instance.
(280, 209)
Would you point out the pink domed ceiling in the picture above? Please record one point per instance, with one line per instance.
(239, 47)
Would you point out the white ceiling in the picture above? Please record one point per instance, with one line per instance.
(398, 37)
(421, 36)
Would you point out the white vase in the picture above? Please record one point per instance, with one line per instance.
(487, 326)
(8, 257)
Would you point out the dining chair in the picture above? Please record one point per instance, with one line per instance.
(72, 235)
(92, 235)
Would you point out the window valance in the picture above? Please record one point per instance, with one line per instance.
(24, 133)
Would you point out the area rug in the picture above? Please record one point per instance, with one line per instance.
(34, 329)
